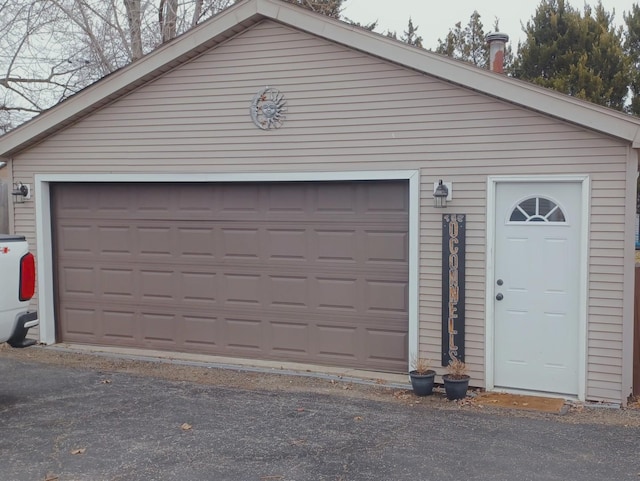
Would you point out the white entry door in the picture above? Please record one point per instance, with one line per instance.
(536, 286)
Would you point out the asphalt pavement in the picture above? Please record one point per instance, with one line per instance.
(69, 424)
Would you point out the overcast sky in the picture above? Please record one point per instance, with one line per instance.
(434, 18)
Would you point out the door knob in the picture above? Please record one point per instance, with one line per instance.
(499, 296)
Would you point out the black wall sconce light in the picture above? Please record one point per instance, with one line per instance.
(441, 194)
(21, 192)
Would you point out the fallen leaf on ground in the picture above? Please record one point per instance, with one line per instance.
(105, 381)
(78, 451)
(300, 410)
(51, 477)
(358, 418)
(186, 426)
(401, 394)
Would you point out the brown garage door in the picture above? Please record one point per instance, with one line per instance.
(308, 271)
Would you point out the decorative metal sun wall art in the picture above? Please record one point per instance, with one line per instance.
(268, 108)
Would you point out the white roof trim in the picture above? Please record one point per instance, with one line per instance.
(245, 13)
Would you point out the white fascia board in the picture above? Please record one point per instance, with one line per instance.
(636, 141)
(229, 176)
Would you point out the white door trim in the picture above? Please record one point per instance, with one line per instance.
(44, 237)
(492, 182)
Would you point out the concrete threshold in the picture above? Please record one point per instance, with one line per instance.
(357, 376)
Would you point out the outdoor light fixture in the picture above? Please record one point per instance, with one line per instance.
(440, 195)
(3, 164)
(21, 192)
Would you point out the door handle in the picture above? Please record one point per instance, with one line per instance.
(499, 296)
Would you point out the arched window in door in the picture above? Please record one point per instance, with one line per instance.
(537, 209)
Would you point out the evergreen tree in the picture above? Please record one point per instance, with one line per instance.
(367, 26)
(466, 43)
(632, 50)
(410, 37)
(576, 53)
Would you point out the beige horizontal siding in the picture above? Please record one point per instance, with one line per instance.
(349, 111)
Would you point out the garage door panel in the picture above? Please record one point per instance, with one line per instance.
(242, 289)
(385, 197)
(83, 324)
(78, 281)
(288, 291)
(290, 338)
(75, 239)
(159, 328)
(199, 287)
(340, 246)
(288, 245)
(339, 197)
(310, 272)
(67, 201)
(116, 200)
(153, 201)
(386, 296)
(240, 243)
(386, 247)
(196, 243)
(120, 325)
(117, 283)
(157, 285)
(155, 241)
(241, 198)
(191, 203)
(384, 345)
(201, 332)
(244, 334)
(113, 240)
(288, 198)
(336, 343)
(336, 294)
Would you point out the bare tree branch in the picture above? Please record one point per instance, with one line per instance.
(167, 19)
(135, 28)
(50, 49)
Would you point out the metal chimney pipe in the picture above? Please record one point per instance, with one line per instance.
(497, 42)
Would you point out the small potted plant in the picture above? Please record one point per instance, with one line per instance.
(456, 381)
(422, 377)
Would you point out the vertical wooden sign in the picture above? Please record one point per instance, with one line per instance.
(453, 253)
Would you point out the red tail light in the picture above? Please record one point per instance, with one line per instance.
(27, 277)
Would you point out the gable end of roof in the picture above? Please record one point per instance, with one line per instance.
(243, 15)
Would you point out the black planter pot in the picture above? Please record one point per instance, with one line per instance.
(455, 388)
(422, 384)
